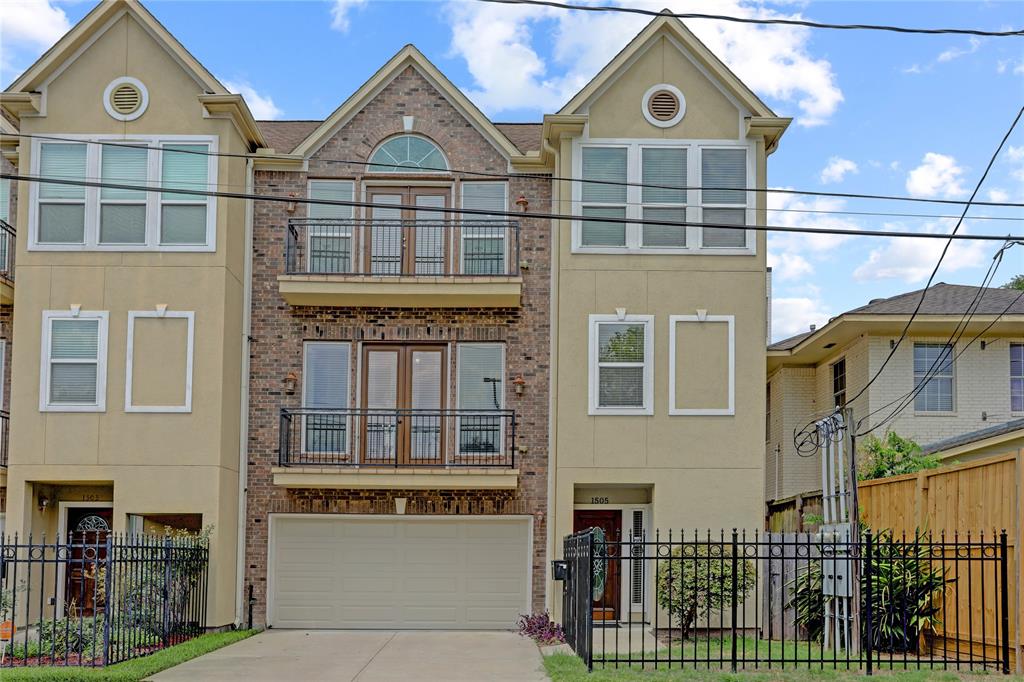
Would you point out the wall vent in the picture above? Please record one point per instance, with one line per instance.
(125, 99)
(663, 105)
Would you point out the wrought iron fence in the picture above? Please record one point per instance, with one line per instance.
(99, 598)
(7, 242)
(393, 248)
(397, 438)
(752, 601)
(5, 429)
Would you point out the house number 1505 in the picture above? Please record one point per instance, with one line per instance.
(598, 500)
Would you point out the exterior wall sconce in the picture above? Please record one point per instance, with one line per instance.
(291, 206)
(44, 502)
(291, 380)
(519, 384)
(522, 203)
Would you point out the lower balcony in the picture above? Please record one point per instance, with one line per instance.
(397, 448)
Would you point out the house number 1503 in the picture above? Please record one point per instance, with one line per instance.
(598, 500)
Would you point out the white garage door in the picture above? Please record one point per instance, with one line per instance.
(346, 572)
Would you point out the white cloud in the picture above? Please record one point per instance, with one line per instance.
(795, 315)
(1014, 67)
(496, 42)
(262, 106)
(912, 260)
(36, 23)
(956, 52)
(998, 195)
(789, 266)
(938, 175)
(837, 168)
(793, 210)
(340, 10)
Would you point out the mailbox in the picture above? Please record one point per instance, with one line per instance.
(559, 570)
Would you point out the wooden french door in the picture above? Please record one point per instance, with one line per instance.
(404, 395)
(88, 528)
(408, 241)
(610, 521)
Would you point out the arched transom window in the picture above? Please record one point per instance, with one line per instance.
(407, 154)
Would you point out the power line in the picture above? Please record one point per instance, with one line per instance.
(535, 176)
(747, 20)
(938, 264)
(487, 213)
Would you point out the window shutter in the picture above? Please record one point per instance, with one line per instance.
(481, 377)
(126, 166)
(62, 161)
(184, 170)
(725, 171)
(327, 374)
(663, 167)
(331, 190)
(606, 164)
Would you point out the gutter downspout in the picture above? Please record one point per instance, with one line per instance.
(555, 228)
(243, 431)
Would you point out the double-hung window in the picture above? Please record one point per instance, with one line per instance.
(839, 383)
(329, 235)
(1017, 377)
(481, 396)
(723, 196)
(74, 362)
(325, 395)
(933, 377)
(136, 216)
(623, 185)
(484, 238)
(621, 359)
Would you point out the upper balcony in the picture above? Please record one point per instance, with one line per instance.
(7, 244)
(417, 263)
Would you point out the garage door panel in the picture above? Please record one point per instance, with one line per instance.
(345, 572)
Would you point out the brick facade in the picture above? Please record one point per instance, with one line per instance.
(279, 330)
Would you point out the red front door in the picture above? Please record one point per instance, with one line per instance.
(610, 521)
(88, 528)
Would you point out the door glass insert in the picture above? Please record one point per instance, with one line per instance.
(386, 238)
(381, 437)
(430, 235)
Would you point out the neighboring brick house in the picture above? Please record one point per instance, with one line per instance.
(973, 386)
(431, 315)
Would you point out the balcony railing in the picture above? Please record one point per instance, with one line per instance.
(397, 248)
(397, 438)
(5, 424)
(7, 237)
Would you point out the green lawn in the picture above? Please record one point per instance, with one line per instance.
(130, 671)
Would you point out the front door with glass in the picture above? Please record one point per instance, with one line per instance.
(414, 240)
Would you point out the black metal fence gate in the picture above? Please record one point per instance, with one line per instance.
(98, 598)
(707, 600)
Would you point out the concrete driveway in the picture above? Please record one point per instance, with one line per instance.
(367, 656)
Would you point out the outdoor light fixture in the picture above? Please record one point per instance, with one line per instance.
(519, 383)
(522, 203)
(291, 380)
(44, 502)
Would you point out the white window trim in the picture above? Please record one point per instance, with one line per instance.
(504, 230)
(186, 406)
(648, 407)
(501, 394)
(673, 321)
(634, 197)
(101, 361)
(351, 444)
(154, 199)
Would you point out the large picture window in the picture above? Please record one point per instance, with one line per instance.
(325, 393)
(933, 374)
(481, 390)
(74, 217)
(74, 362)
(621, 364)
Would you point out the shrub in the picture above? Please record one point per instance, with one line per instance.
(697, 579)
(540, 628)
(72, 636)
(892, 456)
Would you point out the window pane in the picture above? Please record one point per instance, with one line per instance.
(664, 167)
(62, 223)
(184, 170)
(330, 254)
(1017, 395)
(407, 153)
(182, 224)
(481, 377)
(603, 233)
(126, 166)
(123, 224)
(327, 371)
(484, 196)
(620, 342)
(720, 237)
(1017, 359)
(63, 161)
(664, 235)
(607, 164)
(936, 396)
(725, 171)
(74, 339)
(5, 200)
(934, 358)
(621, 387)
(73, 383)
(331, 190)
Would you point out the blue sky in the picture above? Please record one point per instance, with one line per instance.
(875, 113)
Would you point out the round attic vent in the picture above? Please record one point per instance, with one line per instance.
(125, 99)
(664, 105)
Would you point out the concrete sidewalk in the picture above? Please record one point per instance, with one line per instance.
(367, 656)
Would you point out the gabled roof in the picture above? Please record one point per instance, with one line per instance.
(946, 299)
(407, 56)
(526, 136)
(95, 22)
(677, 29)
(284, 136)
